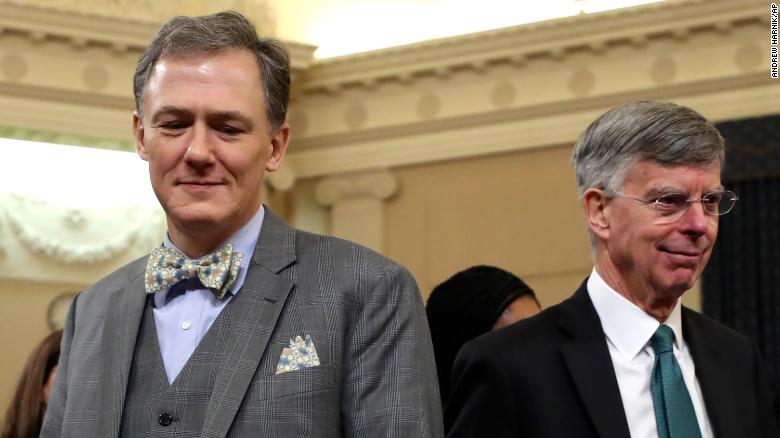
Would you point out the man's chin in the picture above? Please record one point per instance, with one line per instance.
(200, 218)
(680, 282)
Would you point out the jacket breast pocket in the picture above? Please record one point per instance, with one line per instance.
(301, 381)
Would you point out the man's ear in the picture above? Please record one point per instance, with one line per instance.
(595, 203)
(280, 139)
(138, 134)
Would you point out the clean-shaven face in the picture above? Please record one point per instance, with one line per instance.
(666, 257)
(207, 139)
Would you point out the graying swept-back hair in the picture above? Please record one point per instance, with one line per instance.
(189, 36)
(665, 133)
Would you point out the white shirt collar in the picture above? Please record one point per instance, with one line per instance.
(627, 326)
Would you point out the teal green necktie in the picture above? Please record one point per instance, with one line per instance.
(674, 413)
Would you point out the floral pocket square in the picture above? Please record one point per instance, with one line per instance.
(299, 355)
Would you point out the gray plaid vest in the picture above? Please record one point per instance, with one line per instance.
(155, 408)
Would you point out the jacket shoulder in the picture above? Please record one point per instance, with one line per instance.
(701, 326)
(116, 280)
(343, 254)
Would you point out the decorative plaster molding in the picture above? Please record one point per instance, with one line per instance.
(375, 184)
(519, 129)
(524, 97)
(525, 112)
(50, 94)
(522, 45)
(79, 29)
(123, 26)
(64, 240)
(66, 139)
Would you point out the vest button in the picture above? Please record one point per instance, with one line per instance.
(165, 420)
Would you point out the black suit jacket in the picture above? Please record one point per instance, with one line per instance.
(552, 376)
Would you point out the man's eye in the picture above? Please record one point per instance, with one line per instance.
(671, 201)
(230, 130)
(172, 126)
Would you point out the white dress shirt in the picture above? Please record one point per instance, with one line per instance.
(628, 330)
(181, 321)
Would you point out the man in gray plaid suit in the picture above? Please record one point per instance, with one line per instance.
(238, 325)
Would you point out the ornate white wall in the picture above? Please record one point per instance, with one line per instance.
(531, 86)
(65, 77)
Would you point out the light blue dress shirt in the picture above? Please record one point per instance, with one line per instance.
(184, 318)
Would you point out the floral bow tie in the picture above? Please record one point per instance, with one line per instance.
(217, 270)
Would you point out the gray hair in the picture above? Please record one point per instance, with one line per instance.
(188, 36)
(665, 133)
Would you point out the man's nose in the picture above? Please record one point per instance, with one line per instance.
(200, 151)
(696, 220)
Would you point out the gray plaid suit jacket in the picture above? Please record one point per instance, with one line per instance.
(377, 376)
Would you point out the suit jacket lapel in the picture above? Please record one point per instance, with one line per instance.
(714, 379)
(123, 321)
(258, 306)
(588, 361)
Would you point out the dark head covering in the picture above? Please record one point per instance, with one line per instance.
(465, 306)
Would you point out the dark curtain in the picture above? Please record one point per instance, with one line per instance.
(741, 284)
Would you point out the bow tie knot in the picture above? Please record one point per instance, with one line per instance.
(217, 271)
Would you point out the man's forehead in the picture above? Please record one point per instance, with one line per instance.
(656, 175)
(220, 83)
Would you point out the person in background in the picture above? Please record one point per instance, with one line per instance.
(25, 414)
(470, 303)
(623, 357)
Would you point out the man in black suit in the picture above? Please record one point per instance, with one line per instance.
(622, 357)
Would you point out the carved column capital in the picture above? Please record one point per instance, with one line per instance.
(373, 184)
(356, 202)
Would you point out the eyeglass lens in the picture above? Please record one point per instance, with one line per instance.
(718, 203)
